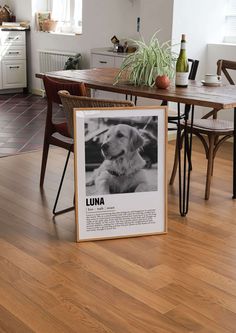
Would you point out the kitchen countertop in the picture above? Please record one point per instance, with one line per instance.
(7, 28)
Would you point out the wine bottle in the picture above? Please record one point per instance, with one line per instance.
(182, 68)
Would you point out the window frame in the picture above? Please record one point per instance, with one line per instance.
(230, 22)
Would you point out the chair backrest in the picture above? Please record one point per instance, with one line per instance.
(52, 86)
(224, 66)
(193, 69)
(70, 102)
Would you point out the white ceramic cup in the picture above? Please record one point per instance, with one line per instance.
(212, 78)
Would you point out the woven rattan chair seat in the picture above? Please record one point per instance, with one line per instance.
(217, 125)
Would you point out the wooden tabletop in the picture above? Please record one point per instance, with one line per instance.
(221, 97)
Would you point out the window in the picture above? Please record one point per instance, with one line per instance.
(68, 13)
(230, 22)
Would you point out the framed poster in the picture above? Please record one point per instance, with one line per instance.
(120, 172)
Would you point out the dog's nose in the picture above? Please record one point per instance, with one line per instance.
(105, 146)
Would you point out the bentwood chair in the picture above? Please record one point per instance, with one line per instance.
(70, 102)
(56, 134)
(211, 131)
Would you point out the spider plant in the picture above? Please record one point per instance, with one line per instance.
(150, 60)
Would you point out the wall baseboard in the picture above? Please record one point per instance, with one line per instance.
(38, 92)
(172, 135)
(11, 91)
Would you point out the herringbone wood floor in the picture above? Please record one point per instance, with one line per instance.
(22, 122)
(181, 282)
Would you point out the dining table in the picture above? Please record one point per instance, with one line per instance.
(222, 97)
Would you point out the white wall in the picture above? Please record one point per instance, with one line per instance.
(156, 15)
(202, 21)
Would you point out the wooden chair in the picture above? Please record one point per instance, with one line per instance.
(52, 86)
(211, 131)
(70, 102)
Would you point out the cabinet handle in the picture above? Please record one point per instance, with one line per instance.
(11, 67)
(15, 52)
(103, 62)
(11, 38)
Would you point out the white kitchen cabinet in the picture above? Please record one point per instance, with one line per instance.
(13, 59)
(104, 58)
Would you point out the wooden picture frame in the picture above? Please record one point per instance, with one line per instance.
(40, 18)
(121, 192)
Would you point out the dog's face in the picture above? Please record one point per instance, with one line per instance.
(121, 140)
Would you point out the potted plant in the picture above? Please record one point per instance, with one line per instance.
(149, 61)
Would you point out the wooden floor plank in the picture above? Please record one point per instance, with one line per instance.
(33, 267)
(126, 285)
(33, 316)
(9, 323)
(188, 281)
(218, 280)
(117, 310)
(194, 321)
(201, 303)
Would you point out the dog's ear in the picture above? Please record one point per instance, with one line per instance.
(136, 139)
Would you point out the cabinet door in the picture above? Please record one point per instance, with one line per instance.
(14, 74)
(101, 61)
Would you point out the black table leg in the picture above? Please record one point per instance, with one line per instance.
(184, 175)
(234, 157)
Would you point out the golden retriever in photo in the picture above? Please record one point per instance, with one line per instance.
(122, 170)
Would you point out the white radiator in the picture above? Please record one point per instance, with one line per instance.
(53, 60)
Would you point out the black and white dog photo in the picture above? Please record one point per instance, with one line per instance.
(123, 168)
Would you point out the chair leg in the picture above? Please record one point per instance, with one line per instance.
(212, 169)
(60, 186)
(44, 162)
(216, 140)
(209, 166)
(174, 169)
